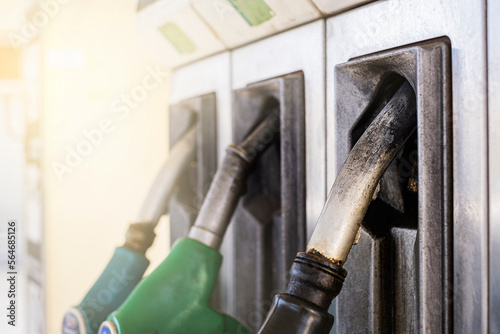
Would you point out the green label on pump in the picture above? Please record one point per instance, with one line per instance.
(177, 38)
(254, 12)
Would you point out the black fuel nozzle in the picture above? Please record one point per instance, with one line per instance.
(316, 277)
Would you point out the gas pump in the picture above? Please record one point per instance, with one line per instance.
(175, 298)
(317, 275)
(128, 264)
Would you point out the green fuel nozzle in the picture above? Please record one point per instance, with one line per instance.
(175, 297)
(317, 276)
(128, 263)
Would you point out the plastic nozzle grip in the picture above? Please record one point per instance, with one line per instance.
(119, 278)
(175, 297)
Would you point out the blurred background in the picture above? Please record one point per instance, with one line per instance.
(61, 75)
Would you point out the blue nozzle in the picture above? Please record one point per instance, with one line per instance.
(119, 278)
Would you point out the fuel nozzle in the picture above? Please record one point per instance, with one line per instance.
(128, 263)
(230, 183)
(175, 297)
(316, 276)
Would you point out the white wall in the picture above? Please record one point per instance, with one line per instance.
(93, 56)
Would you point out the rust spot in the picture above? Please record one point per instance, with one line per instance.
(412, 186)
(317, 253)
(413, 181)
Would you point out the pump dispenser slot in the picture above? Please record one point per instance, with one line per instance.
(400, 272)
(269, 224)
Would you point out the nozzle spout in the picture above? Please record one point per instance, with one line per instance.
(356, 182)
(230, 182)
(156, 202)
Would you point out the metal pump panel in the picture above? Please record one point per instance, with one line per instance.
(400, 272)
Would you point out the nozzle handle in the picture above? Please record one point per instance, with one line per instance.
(119, 278)
(290, 315)
(175, 297)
